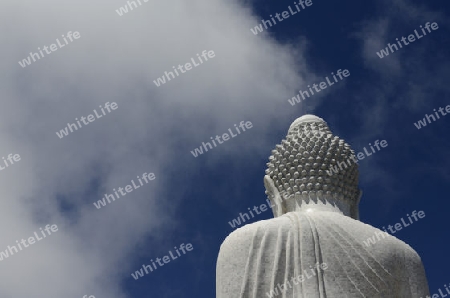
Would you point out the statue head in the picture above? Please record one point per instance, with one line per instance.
(299, 169)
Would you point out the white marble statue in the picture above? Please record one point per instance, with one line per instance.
(314, 247)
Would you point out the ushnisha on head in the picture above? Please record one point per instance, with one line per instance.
(296, 177)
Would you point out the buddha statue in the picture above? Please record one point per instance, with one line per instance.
(314, 246)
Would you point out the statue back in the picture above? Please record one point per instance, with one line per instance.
(285, 257)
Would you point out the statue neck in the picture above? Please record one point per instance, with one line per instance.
(318, 205)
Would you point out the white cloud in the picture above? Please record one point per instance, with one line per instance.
(117, 59)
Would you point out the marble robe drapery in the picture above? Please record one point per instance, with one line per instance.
(258, 257)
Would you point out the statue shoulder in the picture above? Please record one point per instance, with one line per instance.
(244, 236)
(239, 249)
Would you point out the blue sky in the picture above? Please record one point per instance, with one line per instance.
(154, 129)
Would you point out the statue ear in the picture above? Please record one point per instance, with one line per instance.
(354, 212)
(274, 196)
